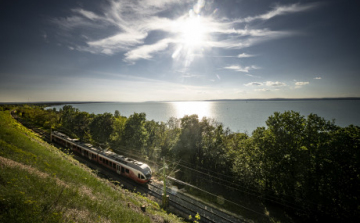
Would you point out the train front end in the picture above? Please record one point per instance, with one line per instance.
(146, 170)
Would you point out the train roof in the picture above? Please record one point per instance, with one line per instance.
(108, 154)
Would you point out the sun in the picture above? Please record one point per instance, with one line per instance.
(191, 31)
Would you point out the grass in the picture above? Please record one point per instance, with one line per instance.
(39, 183)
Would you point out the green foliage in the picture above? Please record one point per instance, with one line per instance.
(38, 183)
(307, 162)
(101, 127)
(135, 134)
(118, 132)
(81, 128)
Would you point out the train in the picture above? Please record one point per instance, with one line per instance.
(133, 169)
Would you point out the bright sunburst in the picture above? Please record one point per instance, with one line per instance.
(192, 31)
(192, 34)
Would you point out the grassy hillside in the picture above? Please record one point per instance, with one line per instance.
(38, 183)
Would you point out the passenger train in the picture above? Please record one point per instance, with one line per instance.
(135, 170)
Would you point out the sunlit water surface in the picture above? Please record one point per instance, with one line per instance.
(239, 116)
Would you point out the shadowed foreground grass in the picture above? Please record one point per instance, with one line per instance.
(38, 183)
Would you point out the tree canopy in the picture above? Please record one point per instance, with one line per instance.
(305, 161)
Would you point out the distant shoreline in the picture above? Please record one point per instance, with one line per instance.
(250, 99)
(287, 99)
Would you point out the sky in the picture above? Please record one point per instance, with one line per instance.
(152, 50)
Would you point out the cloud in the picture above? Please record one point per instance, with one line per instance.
(145, 51)
(241, 69)
(127, 26)
(254, 84)
(301, 83)
(317, 78)
(87, 14)
(262, 89)
(275, 84)
(244, 55)
(279, 10)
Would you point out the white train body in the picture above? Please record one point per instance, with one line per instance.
(135, 170)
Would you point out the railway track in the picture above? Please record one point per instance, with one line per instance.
(179, 203)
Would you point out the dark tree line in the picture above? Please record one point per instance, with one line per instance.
(306, 161)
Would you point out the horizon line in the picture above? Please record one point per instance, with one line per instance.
(249, 99)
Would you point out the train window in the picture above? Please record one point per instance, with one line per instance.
(142, 177)
(126, 170)
(107, 162)
(110, 163)
(139, 175)
(100, 159)
(114, 165)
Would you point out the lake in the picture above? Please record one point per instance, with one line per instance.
(239, 116)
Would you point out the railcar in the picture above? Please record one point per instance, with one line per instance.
(135, 170)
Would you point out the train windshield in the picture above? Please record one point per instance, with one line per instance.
(147, 171)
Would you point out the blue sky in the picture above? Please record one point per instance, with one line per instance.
(120, 50)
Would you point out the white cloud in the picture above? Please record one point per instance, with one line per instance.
(124, 26)
(244, 55)
(274, 84)
(145, 51)
(87, 14)
(301, 83)
(254, 84)
(280, 10)
(317, 78)
(262, 89)
(124, 39)
(241, 69)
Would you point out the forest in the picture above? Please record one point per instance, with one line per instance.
(307, 165)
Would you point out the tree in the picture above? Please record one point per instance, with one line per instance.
(81, 125)
(119, 128)
(67, 117)
(135, 134)
(102, 127)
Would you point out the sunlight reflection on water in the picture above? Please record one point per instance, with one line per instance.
(201, 108)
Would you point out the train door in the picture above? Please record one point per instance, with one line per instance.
(117, 169)
(122, 170)
(90, 156)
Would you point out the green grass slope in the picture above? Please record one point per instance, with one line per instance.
(39, 183)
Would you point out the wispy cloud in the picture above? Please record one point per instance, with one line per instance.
(317, 78)
(254, 84)
(275, 84)
(301, 84)
(241, 69)
(244, 55)
(126, 27)
(267, 83)
(146, 51)
(262, 89)
(278, 11)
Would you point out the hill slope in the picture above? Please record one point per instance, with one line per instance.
(38, 183)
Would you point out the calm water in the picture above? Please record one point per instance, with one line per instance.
(239, 116)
